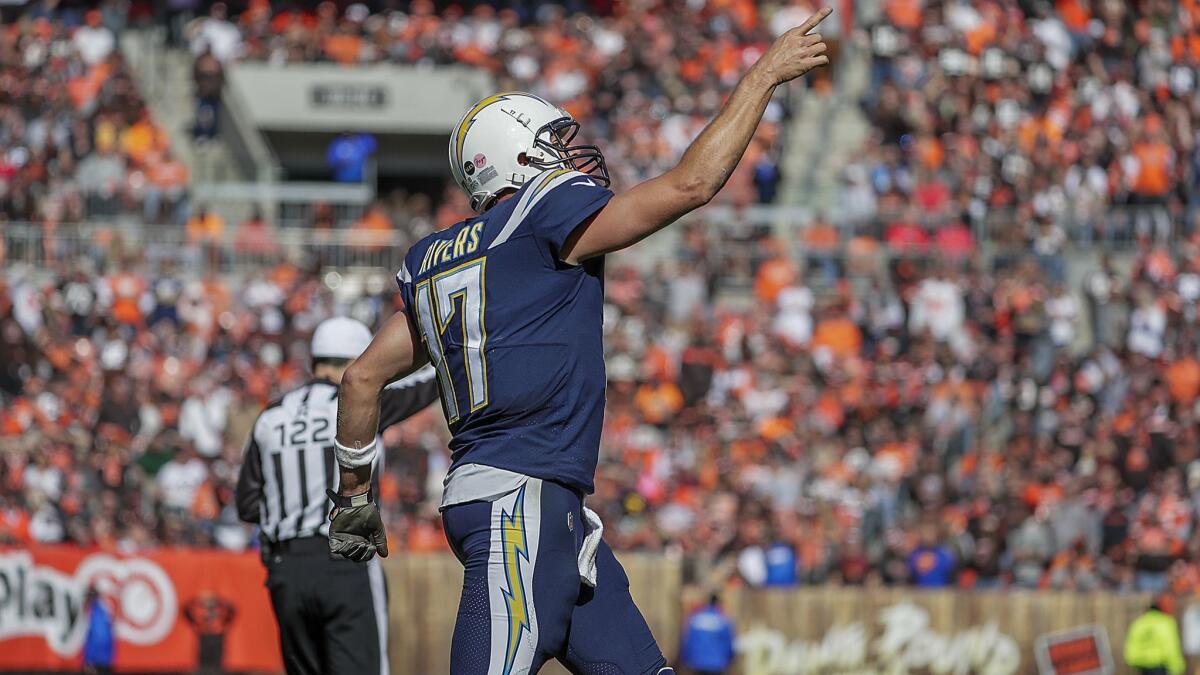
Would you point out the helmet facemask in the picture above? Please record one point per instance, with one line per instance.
(554, 140)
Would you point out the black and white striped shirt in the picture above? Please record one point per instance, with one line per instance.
(289, 460)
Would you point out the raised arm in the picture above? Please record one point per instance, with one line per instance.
(707, 164)
(356, 530)
(394, 353)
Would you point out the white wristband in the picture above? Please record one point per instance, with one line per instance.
(352, 458)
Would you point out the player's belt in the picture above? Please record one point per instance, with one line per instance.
(297, 546)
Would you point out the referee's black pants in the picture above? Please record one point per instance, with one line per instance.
(332, 613)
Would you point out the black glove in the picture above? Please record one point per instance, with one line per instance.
(355, 528)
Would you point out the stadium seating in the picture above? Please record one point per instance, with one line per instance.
(877, 415)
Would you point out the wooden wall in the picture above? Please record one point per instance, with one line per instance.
(424, 593)
(423, 601)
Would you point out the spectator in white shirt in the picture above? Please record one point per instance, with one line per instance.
(794, 323)
(43, 478)
(45, 523)
(937, 308)
(1062, 309)
(216, 34)
(93, 40)
(1147, 327)
(202, 416)
(180, 479)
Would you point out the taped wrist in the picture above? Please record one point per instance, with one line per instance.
(352, 458)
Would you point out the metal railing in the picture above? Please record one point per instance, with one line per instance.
(109, 245)
(292, 202)
(1113, 227)
(739, 238)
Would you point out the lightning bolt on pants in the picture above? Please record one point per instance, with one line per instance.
(522, 600)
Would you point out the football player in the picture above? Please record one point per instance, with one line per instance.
(507, 307)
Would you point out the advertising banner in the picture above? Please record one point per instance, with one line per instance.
(903, 630)
(1079, 651)
(173, 610)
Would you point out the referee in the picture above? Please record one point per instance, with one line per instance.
(289, 464)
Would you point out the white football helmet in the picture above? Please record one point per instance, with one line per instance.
(507, 139)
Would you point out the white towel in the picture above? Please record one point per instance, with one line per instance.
(593, 533)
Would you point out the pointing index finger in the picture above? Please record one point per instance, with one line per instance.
(812, 21)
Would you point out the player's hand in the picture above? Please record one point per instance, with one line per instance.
(356, 532)
(797, 51)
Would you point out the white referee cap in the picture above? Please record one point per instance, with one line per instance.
(340, 338)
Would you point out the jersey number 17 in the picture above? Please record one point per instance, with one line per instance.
(460, 291)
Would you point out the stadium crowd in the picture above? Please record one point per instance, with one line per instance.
(918, 422)
(1029, 113)
(663, 70)
(643, 78)
(76, 138)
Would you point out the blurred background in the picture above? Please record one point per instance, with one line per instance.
(927, 367)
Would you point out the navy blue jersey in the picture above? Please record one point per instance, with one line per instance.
(514, 333)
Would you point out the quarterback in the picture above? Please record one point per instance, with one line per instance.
(507, 306)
